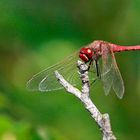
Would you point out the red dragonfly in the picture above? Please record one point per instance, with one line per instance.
(106, 70)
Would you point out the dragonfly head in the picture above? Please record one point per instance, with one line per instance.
(86, 54)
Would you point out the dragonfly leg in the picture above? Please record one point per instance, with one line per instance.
(90, 63)
(98, 69)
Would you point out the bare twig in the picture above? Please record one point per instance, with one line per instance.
(102, 120)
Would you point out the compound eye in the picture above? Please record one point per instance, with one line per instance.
(86, 54)
(83, 57)
(89, 53)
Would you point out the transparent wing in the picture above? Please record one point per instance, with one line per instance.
(118, 84)
(106, 73)
(111, 76)
(46, 80)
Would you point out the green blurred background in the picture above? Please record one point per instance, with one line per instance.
(36, 34)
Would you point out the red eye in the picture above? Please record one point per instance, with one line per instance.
(86, 54)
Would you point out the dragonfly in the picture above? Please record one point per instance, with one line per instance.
(106, 70)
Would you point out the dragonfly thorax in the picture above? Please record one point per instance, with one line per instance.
(86, 54)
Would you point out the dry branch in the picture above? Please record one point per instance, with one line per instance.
(102, 120)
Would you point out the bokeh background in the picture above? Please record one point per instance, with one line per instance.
(36, 34)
